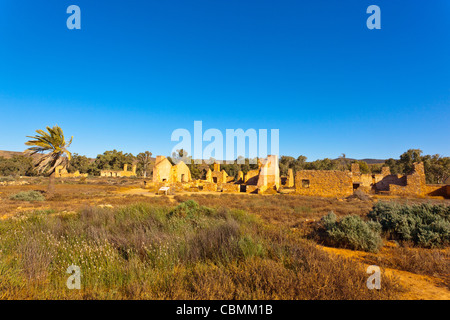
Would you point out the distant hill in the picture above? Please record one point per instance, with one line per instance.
(373, 161)
(368, 161)
(10, 154)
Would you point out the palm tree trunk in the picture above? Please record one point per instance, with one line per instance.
(51, 184)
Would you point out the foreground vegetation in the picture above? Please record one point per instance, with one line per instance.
(425, 225)
(188, 251)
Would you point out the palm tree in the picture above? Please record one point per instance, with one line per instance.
(53, 146)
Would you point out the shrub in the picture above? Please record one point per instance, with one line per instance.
(352, 232)
(426, 225)
(28, 196)
(140, 252)
(190, 209)
(217, 243)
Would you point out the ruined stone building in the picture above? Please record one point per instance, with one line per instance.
(328, 183)
(332, 183)
(269, 173)
(325, 183)
(267, 176)
(118, 173)
(217, 176)
(163, 171)
(61, 172)
(413, 184)
(182, 172)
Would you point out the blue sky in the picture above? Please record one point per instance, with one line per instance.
(137, 70)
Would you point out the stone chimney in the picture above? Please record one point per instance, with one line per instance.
(355, 168)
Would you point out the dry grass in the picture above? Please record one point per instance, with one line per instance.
(430, 262)
(153, 252)
(243, 247)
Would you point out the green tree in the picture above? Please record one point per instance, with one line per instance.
(17, 165)
(437, 168)
(181, 155)
(80, 163)
(53, 147)
(113, 160)
(286, 163)
(408, 158)
(363, 166)
(144, 161)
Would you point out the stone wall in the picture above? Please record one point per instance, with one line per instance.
(231, 188)
(118, 173)
(61, 172)
(290, 178)
(326, 183)
(162, 171)
(251, 178)
(413, 184)
(182, 172)
(269, 174)
(209, 186)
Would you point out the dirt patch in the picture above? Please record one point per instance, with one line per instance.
(417, 287)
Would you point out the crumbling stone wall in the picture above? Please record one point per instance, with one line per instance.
(415, 183)
(209, 177)
(251, 189)
(326, 183)
(209, 186)
(61, 172)
(269, 174)
(371, 183)
(118, 173)
(240, 177)
(182, 172)
(219, 177)
(251, 178)
(162, 170)
(290, 178)
(231, 188)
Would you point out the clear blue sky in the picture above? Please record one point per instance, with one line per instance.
(137, 70)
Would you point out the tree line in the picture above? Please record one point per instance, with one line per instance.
(437, 168)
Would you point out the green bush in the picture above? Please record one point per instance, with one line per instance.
(28, 196)
(352, 232)
(427, 225)
(190, 209)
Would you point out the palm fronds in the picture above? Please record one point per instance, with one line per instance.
(54, 145)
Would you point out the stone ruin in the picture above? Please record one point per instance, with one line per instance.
(266, 177)
(165, 172)
(118, 173)
(331, 183)
(61, 172)
(325, 183)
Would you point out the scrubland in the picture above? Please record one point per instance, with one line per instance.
(198, 246)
